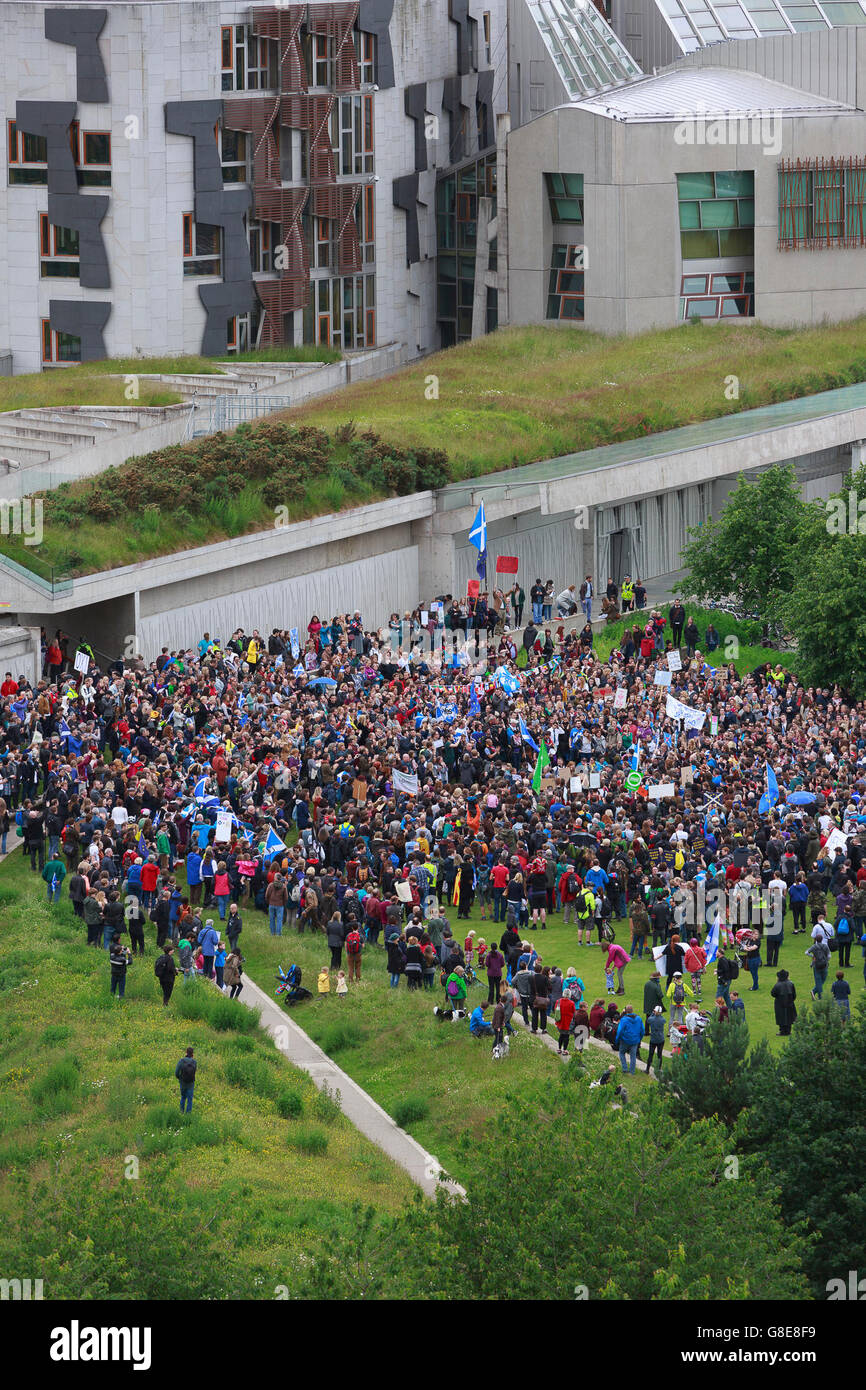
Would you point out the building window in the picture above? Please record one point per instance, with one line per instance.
(565, 196)
(342, 312)
(59, 347)
(485, 29)
(202, 247)
(234, 146)
(565, 288)
(717, 214)
(242, 331)
(319, 60)
(365, 221)
(58, 251)
(457, 197)
(249, 63)
(822, 203)
(264, 238)
(365, 51)
(28, 156)
(91, 150)
(352, 134)
(718, 295)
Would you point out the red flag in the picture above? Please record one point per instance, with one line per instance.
(473, 588)
(506, 564)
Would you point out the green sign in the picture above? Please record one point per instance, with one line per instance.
(632, 780)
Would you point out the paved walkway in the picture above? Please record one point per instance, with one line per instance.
(359, 1107)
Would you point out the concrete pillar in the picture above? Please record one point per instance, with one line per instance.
(435, 557)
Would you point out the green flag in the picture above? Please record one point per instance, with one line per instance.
(542, 762)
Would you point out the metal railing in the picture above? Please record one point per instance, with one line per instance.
(227, 412)
(47, 578)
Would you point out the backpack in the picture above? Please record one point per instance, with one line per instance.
(353, 943)
(186, 1071)
(571, 884)
(820, 954)
(452, 988)
(843, 927)
(679, 994)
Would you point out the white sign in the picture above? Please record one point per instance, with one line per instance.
(223, 826)
(619, 697)
(575, 786)
(714, 725)
(692, 718)
(661, 789)
(404, 782)
(82, 662)
(675, 661)
(425, 617)
(835, 840)
(662, 678)
(594, 780)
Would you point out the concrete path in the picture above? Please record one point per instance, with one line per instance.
(359, 1107)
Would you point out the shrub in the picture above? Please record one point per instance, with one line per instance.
(410, 1110)
(289, 1104)
(54, 1091)
(55, 1033)
(341, 1036)
(251, 1074)
(309, 1141)
(225, 1014)
(327, 1105)
(345, 433)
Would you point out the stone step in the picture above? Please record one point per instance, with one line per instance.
(27, 455)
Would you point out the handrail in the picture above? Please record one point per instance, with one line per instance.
(54, 583)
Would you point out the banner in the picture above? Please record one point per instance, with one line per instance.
(223, 826)
(692, 718)
(662, 678)
(473, 588)
(404, 782)
(835, 840)
(661, 789)
(506, 564)
(294, 642)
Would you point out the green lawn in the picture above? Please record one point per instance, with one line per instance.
(524, 394)
(746, 655)
(86, 1080)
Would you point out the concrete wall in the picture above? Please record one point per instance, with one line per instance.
(20, 652)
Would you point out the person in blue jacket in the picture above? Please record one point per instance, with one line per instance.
(193, 876)
(798, 896)
(208, 940)
(478, 1025)
(629, 1034)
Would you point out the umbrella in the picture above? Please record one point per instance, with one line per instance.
(800, 798)
(323, 683)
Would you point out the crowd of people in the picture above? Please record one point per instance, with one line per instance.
(361, 783)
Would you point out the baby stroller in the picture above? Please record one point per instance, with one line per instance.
(289, 984)
(470, 976)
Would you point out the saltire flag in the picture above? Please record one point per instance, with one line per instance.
(526, 735)
(506, 681)
(506, 564)
(771, 795)
(198, 790)
(478, 531)
(542, 761)
(635, 757)
(64, 729)
(711, 943)
(273, 844)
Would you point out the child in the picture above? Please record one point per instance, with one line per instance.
(608, 979)
(342, 986)
(219, 961)
(840, 990)
(482, 952)
(468, 947)
(324, 980)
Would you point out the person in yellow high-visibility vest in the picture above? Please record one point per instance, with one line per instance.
(585, 908)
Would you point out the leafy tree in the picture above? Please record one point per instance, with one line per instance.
(750, 552)
(570, 1193)
(808, 1122)
(719, 1081)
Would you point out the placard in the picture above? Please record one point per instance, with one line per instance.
(619, 697)
(661, 789)
(835, 840)
(359, 790)
(403, 891)
(714, 725)
(675, 661)
(662, 678)
(594, 780)
(82, 662)
(425, 617)
(575, 786)
(223, 826)
(687, 777)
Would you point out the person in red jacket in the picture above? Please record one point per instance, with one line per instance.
(499, 883)
(567, 889)
(565, 1009)
(9, 686)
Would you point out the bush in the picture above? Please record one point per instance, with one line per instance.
(410, 1110)
(54, 1091)
(251, 1073)
(341, 1036)
(226, 1014)
(313, 1142)
(327, 1105)
(289, 1105)
(55, 1033)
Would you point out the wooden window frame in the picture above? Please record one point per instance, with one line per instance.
(48, 340)
(188, 224)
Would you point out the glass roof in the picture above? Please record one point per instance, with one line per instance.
(587, 53)
(697, 23)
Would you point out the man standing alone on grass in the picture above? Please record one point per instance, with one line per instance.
(185, 1073)
(165, 971)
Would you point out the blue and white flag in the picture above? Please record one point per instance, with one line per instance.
(445, 713)
(635, 757)
(506, 681)
(711, 943)
(474, 706)
(526, 735)
(273, 844)
(295, 643)
(198, 790)
(478, 530)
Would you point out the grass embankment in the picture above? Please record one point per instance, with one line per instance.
(746, 654)
(86, 1081)
(524, 394)
(101, 383)
(515, 397)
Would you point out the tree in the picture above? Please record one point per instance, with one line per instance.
(750, 552)
(825, 608)
(719, 1081)
(572, 1198)
(808, 1122)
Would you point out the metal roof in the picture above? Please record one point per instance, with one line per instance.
(586, 52)
(697, 23)
(708, 92)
